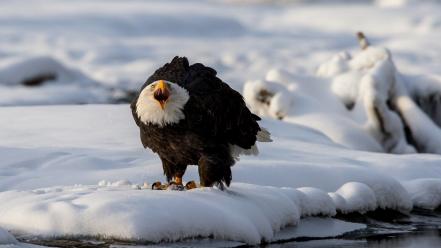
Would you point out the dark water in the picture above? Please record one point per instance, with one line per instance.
(384, 229)
(427, 238)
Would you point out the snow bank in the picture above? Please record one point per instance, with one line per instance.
(44, 80)
(385, 110)
(355, 196)
(6, 238)
(245, 213)
(425, 193)
(24, 70)
(309, 101)
(400, 111)
(316, 202)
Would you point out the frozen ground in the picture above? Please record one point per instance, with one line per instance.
(74, 170)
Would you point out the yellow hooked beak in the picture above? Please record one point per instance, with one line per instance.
(161, 93)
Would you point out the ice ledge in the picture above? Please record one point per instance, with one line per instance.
(245, 213)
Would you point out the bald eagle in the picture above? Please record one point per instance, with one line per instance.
(188, 116)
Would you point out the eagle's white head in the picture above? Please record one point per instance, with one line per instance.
(161, 103)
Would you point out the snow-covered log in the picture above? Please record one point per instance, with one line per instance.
(402, 113)
(43, 80)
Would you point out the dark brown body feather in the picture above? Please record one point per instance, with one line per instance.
(215, 118)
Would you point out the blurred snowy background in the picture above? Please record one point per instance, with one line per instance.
(338, 112)
(63, 52)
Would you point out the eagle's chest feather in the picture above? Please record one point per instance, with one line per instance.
(174, 143)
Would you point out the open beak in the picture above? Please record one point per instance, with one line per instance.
(161, 93)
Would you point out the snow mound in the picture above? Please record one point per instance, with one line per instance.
(309, 101)
(390, 194)
(316, 202)
(398, 110)
(365, 197)
(44, 80)
(22, 71)
(360, 101)
(244, 212)
(6, 238)
(355, 196)
(425, 193)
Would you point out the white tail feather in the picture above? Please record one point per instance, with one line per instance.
(236, 151)
(264, 135)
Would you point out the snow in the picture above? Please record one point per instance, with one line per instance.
(109, 162)
(6, 238)
(20, 71)
(380, 102)
(64, 85)
(81, 170)
(241, 214)
(316, 202)
(355, 196)
(400, 3)
(425, 192)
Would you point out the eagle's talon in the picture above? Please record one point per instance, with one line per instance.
(191, 185)
(175, 186)
(158, 186)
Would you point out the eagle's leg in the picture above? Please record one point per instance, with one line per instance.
(178, 173)
(215, 169)
(174, 173)
(178, 180)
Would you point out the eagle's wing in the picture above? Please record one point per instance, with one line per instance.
(216, 110)
(133, 108)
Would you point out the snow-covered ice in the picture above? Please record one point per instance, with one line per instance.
(243, 213)
(309, 174)
(75, 170)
